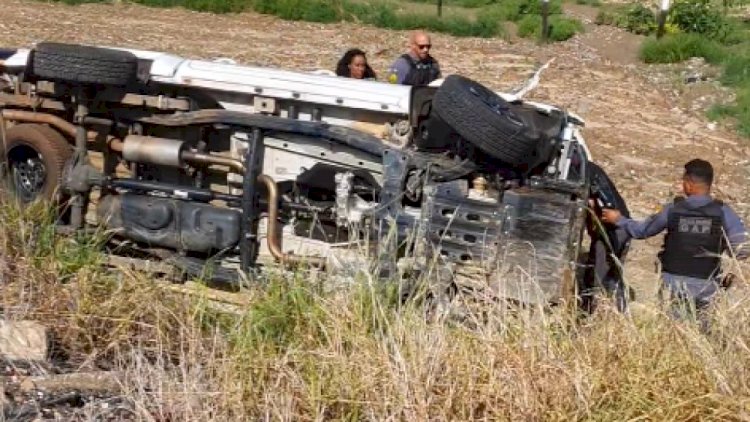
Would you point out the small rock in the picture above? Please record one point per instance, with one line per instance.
(23, 340)
(691, 128)
(693, 78)
(711, 126)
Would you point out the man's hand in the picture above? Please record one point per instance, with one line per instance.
(611, 216)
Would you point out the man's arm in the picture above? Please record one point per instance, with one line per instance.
(736, 233)
(398, 71)
(651, 226)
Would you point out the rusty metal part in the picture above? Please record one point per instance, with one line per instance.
(31, 117)
(114, 95)
(195, 157)
(153, 150)
(274, 234)
(115, 144)
(20, 100)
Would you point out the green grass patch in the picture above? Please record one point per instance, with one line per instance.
(462, 18)
(382, 16)
(736, 70)
(561, 28)
(739, 111)
(594, 3)
(679, 47)
(471, 4)
(736, 74)
(515, 10)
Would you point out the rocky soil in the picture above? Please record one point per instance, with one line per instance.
(643, 123)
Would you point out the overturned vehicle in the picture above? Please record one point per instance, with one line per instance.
(192, 162)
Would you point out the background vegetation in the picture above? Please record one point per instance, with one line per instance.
(713, 29)
(479, 18)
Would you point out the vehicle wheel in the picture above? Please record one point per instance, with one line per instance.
(36, 155)
(84, 64)
(483, 118)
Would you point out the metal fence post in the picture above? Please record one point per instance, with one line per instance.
(440, 8)
(662, 19)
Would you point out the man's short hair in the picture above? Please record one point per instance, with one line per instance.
(700, 171)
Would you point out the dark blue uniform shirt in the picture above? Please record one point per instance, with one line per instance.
(655, 224)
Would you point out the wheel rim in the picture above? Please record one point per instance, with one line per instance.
(28, 172)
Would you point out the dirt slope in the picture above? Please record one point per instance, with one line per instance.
(635, 130)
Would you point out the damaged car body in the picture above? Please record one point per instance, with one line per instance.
(193, 161)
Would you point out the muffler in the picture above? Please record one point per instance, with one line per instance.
(169, 152)
(152, 150)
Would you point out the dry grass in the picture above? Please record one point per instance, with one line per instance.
(305, 351)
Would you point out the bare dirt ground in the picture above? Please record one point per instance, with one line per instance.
(637, 129)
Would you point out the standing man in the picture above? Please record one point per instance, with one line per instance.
(417, 66)
(698, 228)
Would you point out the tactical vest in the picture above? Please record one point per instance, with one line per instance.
(421, 72)
(694, 240)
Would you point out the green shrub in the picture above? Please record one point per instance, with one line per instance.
(534, 7)
(608, 17)
(699, 16)
(471, 4)
(736, 70)
(82, 1)
(736, 33)
(635, 18)
(501, 12)
(640, 19)
(214, 6)
(307, 10)
(514, 10)
(376, 14)
(679, 47)
(561, 28)
(595, 3)
(382, 14)
(453, 25)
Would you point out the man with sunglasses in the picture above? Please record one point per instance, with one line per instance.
(417, 66)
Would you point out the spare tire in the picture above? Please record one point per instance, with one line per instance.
(80, 64)
(505, 131)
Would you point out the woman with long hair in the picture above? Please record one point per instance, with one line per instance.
(354, 65)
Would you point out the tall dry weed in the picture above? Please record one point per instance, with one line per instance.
(303, 350)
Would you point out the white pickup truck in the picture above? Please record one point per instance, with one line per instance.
(197, 161)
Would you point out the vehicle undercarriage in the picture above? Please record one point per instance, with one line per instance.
(195, 162)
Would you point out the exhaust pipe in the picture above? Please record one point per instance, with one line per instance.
(145, 149)
(33, 117)
(274, 234)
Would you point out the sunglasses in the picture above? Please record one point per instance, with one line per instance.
(424, 46)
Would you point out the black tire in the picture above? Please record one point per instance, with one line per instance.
(80, 64)
(504, 131)
(36, 156)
